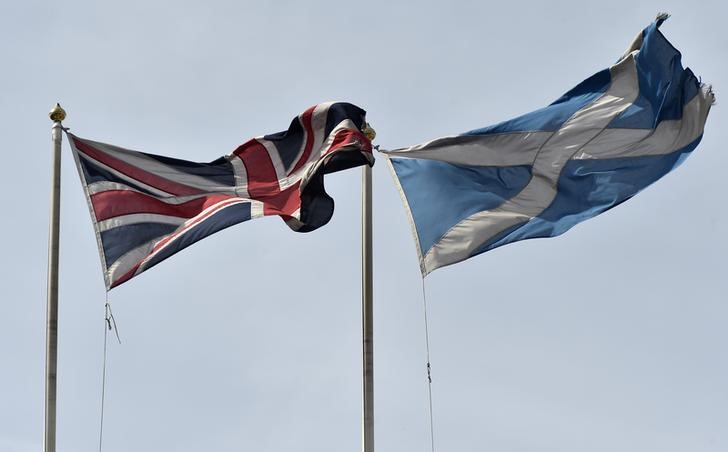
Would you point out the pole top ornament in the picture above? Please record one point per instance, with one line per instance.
(57, 114)
(369, 131)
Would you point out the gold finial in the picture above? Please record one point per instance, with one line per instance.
(57, 113)
(369, 132)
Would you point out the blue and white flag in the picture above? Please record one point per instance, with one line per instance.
(540, 174)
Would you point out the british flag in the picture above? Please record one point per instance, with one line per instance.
(147, 207)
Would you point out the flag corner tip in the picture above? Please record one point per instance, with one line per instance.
(661, 17)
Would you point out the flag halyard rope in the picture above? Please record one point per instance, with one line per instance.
(109, 324)
(429, 367)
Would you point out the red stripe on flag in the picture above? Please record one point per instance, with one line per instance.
(347, 137)
(114, 203)
(285, 202)
(262, 177)
(308, 126)
(134, 172)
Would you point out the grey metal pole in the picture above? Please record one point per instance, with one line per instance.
(367, 317)
(49, 444)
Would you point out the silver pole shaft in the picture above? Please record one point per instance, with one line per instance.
(367, 317)
(49, 444)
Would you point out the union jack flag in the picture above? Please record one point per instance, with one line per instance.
(147, 207)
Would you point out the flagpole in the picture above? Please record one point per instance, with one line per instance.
(367, 317)
(49, 444)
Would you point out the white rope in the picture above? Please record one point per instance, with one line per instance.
(109, 320)
(429, 367)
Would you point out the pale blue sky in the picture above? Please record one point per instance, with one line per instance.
(609, 338)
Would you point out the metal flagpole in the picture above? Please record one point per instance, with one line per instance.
(49, 445)
(366, 293)
(367, 317)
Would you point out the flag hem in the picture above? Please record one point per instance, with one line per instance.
(410, 217)
(99, 244)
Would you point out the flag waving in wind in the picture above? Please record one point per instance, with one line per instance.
(540, 174)
(147, 207)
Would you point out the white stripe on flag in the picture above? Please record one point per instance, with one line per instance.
(136, 218)
(241, 176)
(502, 149)
(256, 209)
(667, 137)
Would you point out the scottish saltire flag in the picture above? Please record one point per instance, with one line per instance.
(540, 174)
(147, 207)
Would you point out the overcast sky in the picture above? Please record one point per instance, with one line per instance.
(609, 338)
